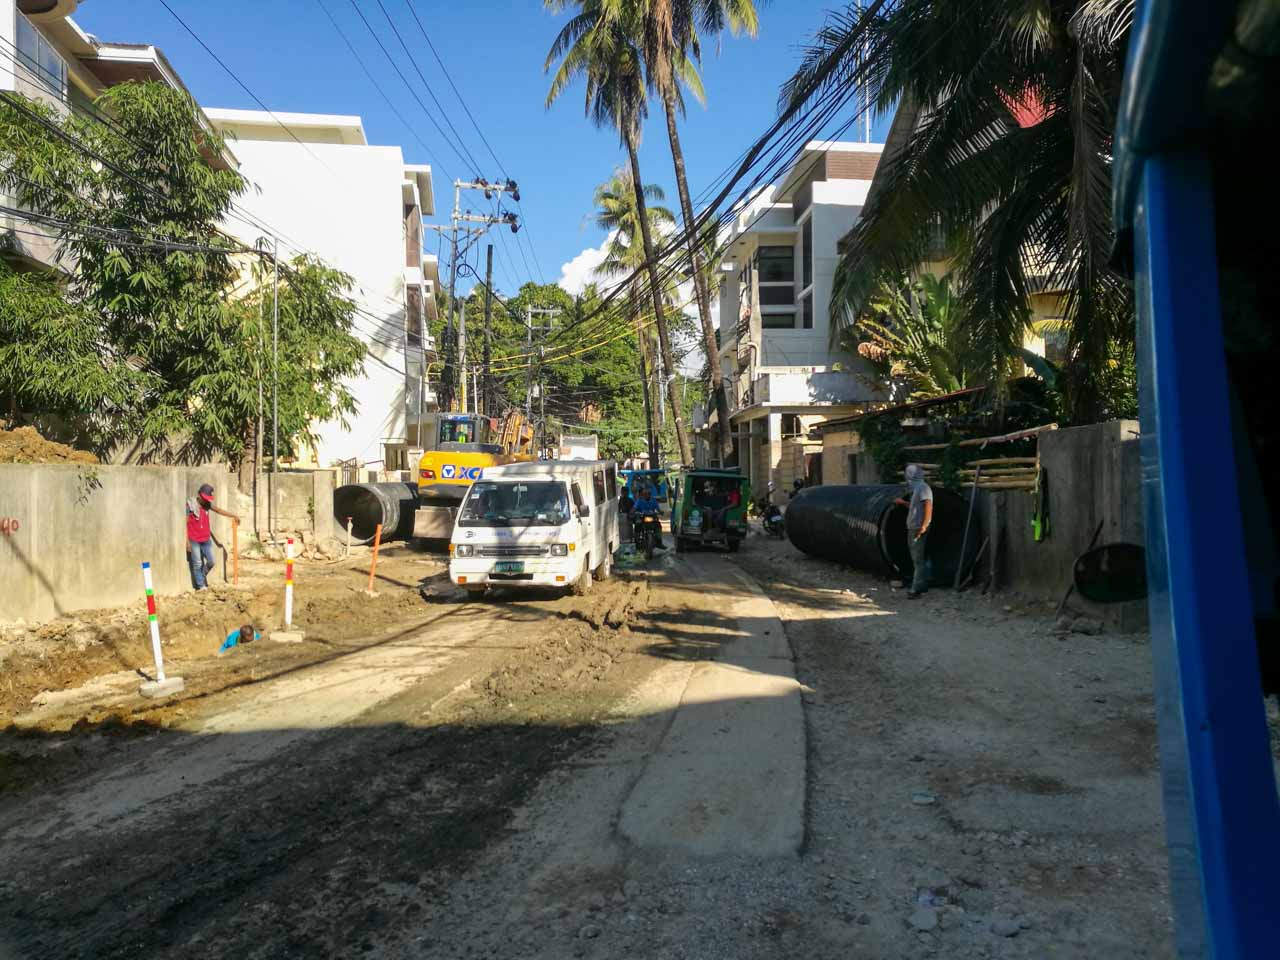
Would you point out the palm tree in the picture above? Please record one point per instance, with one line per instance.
(1007, 110)
(917, 334)
(600, 43)
(615, 212)
(672, 43)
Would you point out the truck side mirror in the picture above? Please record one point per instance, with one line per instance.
(1112, 573)
(584, 511)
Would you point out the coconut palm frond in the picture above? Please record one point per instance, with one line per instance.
(1009, 107)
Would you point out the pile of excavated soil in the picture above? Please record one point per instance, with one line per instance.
(25, 445)
(37, 660)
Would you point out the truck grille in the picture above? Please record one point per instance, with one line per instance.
(504, 552)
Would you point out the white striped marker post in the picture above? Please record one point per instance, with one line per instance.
(287, 634)
(288, 584)
(161, 686)
(154, 621)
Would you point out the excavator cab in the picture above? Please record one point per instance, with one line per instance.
(462, 445)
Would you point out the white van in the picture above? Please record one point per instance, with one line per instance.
(549, 523)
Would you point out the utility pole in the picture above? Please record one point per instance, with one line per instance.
(462, 351)
(542, 407)
(487, 386)
(543, 329)
(528, 350)
(454, 380)
(275, 385)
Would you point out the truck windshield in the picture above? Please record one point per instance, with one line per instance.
(535, 503)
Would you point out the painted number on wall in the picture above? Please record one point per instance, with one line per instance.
(8, 525)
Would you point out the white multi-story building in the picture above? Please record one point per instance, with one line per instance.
(783, 372)
(45, 56)
(316, 185)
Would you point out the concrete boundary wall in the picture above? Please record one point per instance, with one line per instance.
(1094, 476)
(84, 530)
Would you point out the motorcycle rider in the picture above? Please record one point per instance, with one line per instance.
(647, 503)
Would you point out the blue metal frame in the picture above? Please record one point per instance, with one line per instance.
(1222, 811)
(1221, 808)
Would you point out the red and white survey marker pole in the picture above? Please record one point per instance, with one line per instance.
(288, 583)
(288, 634)
(161, 686)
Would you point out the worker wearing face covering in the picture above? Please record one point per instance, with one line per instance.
(919, 519)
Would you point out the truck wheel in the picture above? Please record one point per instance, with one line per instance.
(582, 586)
(734, 544)
(606, 567)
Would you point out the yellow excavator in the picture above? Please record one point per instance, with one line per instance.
(460, 446)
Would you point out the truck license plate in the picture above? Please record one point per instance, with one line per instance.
(509, 566)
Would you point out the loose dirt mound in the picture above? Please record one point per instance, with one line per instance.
(25, 445)
(63, 654)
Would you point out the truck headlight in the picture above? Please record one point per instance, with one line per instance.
(559, 549)
(464, 550)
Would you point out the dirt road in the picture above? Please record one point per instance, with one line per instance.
(486, 780)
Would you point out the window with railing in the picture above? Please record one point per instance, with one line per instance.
(42, 61)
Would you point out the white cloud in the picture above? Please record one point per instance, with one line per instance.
(581, 270)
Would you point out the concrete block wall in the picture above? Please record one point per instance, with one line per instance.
(1094, 478)
(83, 531)
(293, 502)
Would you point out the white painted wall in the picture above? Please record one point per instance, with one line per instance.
(345, 205)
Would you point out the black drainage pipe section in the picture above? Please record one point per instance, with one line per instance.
(862, 527)
(370, 504)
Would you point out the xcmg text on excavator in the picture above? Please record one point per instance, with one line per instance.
(458, 448)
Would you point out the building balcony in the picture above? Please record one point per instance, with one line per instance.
(800, 387)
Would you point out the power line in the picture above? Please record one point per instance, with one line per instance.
(245, 87)
(528, 240)
(405, 80)
(377, 86)
(413, 62)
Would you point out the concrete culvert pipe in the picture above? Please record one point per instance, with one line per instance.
(862, 527)
(370, 504)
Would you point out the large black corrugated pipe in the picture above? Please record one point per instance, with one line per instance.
(370, 504)
(861, 526)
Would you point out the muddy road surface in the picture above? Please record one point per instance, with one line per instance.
(743, 758)
(319, 797)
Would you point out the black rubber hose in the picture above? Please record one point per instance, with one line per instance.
(369, 504)
(861, 526)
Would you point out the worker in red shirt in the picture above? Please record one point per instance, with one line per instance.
(199, 537)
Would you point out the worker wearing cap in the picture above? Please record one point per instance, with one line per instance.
(199, 536)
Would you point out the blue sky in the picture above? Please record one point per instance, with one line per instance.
(288, 53)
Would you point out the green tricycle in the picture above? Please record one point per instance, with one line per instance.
(710, 508)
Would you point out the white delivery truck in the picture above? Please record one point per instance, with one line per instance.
(548, 523)
(578, 446)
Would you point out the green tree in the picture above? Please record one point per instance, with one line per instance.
(918, 333)
(213, 401)
(55, 361)
(602, 45)
(1010, 107)
(601, 380)
(136, 205)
